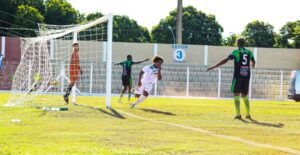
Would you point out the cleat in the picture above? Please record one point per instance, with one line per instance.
(66, 99)
(249, 117)
(239, 117)
(132, 106)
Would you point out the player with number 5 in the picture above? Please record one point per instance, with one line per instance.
(241, 77)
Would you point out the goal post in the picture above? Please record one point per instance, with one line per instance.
(109, 60)
(45, 69)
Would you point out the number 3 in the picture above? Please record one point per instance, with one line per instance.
(179, 54)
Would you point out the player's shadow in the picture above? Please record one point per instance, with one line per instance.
(114, 113)
(279, 125)
(158, 112)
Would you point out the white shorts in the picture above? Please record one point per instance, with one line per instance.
(144, 87)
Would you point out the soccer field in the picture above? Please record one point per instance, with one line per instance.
(157, 126)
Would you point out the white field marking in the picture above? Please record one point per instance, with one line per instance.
(211, 133)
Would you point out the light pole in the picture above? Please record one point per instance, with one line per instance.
(179, 22)
(170, 28)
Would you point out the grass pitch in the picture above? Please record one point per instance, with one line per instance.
(157, 126)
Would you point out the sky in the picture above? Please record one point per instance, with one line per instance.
(232, 15)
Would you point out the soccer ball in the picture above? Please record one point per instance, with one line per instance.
(53, 82)
(37, 77)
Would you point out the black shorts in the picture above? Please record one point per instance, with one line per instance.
(126, 81)
(240, 85)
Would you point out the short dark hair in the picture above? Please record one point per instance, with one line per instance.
(75, 44)
(241, 42)
(128, 56)
(157, 58)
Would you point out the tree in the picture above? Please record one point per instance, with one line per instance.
(93, 16)
(5, 19)
(198, 28)
(289, 35)
(60, 12)
(32, 16)
(230, 40)
(259, 34)
(38, 4)
(8, 10)
(124, 29)
(128, 30)
(297, 36)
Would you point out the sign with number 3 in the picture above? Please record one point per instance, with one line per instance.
(179, 55)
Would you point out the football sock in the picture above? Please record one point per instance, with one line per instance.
(68, 91)
(237, 105)
(121, 96)
(141, 99)
(247, 105)
(129, 96)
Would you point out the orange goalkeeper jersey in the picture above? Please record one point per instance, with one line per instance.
(74, 66)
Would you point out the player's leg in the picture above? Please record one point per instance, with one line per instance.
(138, 91)
(125, 84)
(235, 88)
(129, 89)
(68, 91)
(122, 93)
(245, 88)
(146, 89)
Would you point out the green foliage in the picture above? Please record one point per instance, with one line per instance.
(128, 30)
(124, 28)
(198, 28)
(61, 12)
(8, 7)
(38, 4)
(33, 17)
(259, 34)
(290, 36)
(93, 16)
(230, 40)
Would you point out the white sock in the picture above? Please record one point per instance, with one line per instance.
(141, 99)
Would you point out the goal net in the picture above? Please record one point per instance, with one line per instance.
(49, 63)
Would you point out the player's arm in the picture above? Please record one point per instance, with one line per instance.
(78, 63)
(140, 78)
(119, 63)
(159, 76)
(222, 62)
(138, 62)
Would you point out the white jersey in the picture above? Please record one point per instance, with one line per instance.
(150, 74)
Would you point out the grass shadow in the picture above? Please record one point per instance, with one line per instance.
(159, 112)
(279, 125)
(242, 120)
(114, 113)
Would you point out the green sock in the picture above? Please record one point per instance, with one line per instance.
(247, 105)
(129, 96)
(121, 96)
(237, 105)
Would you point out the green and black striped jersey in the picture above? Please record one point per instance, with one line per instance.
(242, 58)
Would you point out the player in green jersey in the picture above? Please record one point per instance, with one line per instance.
(126, 75)
(241, 77)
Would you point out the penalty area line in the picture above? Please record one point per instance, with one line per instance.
(213, 134)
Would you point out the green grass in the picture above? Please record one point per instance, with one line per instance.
(93, 129)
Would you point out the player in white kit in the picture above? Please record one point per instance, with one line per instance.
(147, 78)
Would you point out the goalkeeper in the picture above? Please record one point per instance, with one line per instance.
(74, 71)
